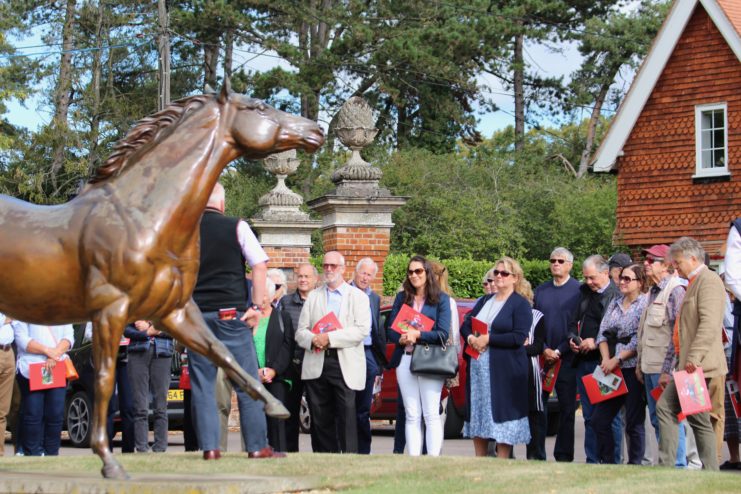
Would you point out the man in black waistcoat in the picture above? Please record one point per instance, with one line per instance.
(596, 293)
(220, 293)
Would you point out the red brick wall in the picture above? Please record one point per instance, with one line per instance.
(356, 243)
(287, 257)
(657, 200)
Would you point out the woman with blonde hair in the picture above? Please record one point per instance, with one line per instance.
(497, 384)
(442, 279)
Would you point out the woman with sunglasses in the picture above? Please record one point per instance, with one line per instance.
(497, 386)
(421, 394)
(617, 341)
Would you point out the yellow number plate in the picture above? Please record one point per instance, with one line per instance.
(174, 395)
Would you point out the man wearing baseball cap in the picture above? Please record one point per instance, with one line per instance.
(655, 351)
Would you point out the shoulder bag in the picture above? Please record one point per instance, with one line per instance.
(435, 360)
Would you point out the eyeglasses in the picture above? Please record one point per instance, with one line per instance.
(278, 286)
(559, 261)
(486, 282)
(417, 271)
(651, 259)
(627, 279)
(490, 281)
(503, 274)
(328, 266)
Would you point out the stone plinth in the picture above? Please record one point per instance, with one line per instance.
(288, 243)
(358, 227)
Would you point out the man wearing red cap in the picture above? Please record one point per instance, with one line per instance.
(655, 351)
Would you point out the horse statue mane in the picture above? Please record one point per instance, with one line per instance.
(146, 131)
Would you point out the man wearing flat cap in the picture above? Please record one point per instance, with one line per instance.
(617, 262)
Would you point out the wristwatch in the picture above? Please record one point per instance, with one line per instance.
(620, 360)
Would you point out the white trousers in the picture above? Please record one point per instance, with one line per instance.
(421, 397)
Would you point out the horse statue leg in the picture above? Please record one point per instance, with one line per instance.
(108, 326)
(188, 327)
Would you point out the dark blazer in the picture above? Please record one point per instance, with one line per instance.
(279, 343)
(378, 335)
(508, 360)
(439, 313)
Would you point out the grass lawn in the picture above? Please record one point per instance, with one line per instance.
(403, 474)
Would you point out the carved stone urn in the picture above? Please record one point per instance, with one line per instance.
(281, 202)
(356, 129)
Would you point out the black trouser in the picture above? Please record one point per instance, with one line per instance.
(535, 449)
(566, 393)
(293, 404)
(332, 406)
(635, 416)
(277, 427)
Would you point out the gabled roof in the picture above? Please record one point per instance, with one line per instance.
(725, 14)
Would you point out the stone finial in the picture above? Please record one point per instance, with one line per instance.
(355, 129)
(281, 202)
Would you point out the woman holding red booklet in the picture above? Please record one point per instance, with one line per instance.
(618, 342)
(41, 349)
(497, 386)
(421, 394)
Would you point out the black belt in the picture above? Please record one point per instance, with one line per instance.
(6, 347)
(330, 353)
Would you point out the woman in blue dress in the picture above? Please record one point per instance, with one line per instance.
(497, 384)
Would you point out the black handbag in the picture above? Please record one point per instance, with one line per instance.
(435, 360)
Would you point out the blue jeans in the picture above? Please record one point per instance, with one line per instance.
(237, 337)
(587, 409)
(651, 381)
(41, 422)
(363, 400)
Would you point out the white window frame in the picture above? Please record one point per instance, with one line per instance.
(701, 172)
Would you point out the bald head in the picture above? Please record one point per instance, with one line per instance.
(218, 198)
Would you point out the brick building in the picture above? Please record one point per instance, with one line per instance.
(675, 142)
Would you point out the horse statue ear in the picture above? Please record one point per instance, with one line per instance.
(208, 89)
(226, 89)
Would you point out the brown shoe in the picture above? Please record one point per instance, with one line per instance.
(212, 454)
(266, 452)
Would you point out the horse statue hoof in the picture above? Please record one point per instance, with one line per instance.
(274, 408)
(114, 471)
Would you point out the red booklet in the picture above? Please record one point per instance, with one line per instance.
(598, 392)
(326, 324)
(656, 393)
(408, 318)
(550, 374)
(40, 378)
(478, 327)
(693, 393)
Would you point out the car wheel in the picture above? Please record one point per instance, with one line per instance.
(453, 428)
(79, 420)
(304, 416)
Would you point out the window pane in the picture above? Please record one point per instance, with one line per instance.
(706, 120)
(719, 158)
(706, 140)
(706, 159)
(718, 138)
(718, 122)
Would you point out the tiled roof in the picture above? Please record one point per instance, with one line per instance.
(732, 9)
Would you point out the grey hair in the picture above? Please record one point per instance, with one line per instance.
(342, 258)
(270, 288)
(279, 273)
(316, 271)
(369, 261)
(687, 247)
(598, 262)
(563, 251)
(490, 273)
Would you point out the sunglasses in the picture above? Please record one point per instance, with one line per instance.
(627, 279)
(278, 286)
(559, 261)
(417, 271)
(651, 259)
(327, 266)
(486, 282)
(503, 274)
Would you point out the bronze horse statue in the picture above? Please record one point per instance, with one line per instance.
(127, 247)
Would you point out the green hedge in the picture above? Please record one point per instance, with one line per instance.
(464, 274)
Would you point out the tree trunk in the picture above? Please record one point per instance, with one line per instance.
(210, 59)
(519, 82)
(586, 154)
(95, 110)
(163, 48)
(62, 93)
(228, 52)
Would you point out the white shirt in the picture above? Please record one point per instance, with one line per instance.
(251, 248)
(46, 335)
(6, 331)
(733, 262)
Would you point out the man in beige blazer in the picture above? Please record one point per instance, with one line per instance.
(698, 336)
(334, 363)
